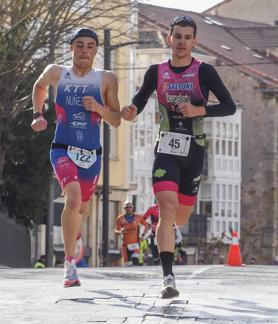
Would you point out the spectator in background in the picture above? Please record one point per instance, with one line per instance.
(128, 225)
(151, 216)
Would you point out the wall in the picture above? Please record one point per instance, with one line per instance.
(15, 246)
(252, 10)
(259, 165)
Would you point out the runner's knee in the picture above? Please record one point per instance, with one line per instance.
(73, 200)
(84, 209)
(168, 209)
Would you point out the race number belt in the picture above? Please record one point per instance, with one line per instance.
(83, 158)
(174, 143)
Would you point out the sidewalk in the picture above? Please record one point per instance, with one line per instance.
(208, 294)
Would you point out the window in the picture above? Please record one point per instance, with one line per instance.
(235, 209)
(216, 211)
(224, 130)
(230, 131)
(236, 148)
(205, 208)
(217, 129)
(236, 193)
(230, 192)
(141, 138)
(223, 192)
(217, 147)
(230, 148)
(217, 191)
(205, 192)
(223, 147)
(223, 226)
(208, 225)
(229, 209)
(222, 209)
(217, 223)
(236, 132)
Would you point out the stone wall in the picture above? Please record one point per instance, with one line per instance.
(259, 165)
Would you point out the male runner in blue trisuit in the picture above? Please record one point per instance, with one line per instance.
(84, 96)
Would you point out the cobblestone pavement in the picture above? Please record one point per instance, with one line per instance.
(208, 294)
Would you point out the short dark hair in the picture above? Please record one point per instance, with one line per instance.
(183, 21)
(84, 32)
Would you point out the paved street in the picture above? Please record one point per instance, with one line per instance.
(209, 294)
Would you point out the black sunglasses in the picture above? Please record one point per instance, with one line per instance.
(183, 19)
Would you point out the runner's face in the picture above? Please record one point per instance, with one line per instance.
(84, 50)
(128, 209)
(182, 41)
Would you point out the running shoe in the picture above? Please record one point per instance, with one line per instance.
(70, 274)
(79, 250)
(169, 289)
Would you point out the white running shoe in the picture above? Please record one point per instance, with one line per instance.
(70, 274)
(79, 250)
(169, 289)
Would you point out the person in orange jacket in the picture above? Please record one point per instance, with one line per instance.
(128, 225)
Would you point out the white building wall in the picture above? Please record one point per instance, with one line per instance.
(221, 188)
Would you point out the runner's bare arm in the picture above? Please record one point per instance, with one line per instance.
(48, 77)
(111, 112)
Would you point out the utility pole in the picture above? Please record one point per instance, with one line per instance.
(50, 215)
(106, 146)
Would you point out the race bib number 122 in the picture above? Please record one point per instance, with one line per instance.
(83, 158)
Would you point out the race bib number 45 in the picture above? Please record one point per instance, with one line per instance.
(174, 143)
(83, 158)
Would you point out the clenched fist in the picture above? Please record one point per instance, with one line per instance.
(39, 124)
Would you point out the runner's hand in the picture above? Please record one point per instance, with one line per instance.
(188, 110)
(91, 104)
(129, 112)
(39, 124)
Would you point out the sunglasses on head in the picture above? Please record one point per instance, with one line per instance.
(183, 19)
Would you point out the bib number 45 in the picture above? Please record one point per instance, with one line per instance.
(175, 143)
